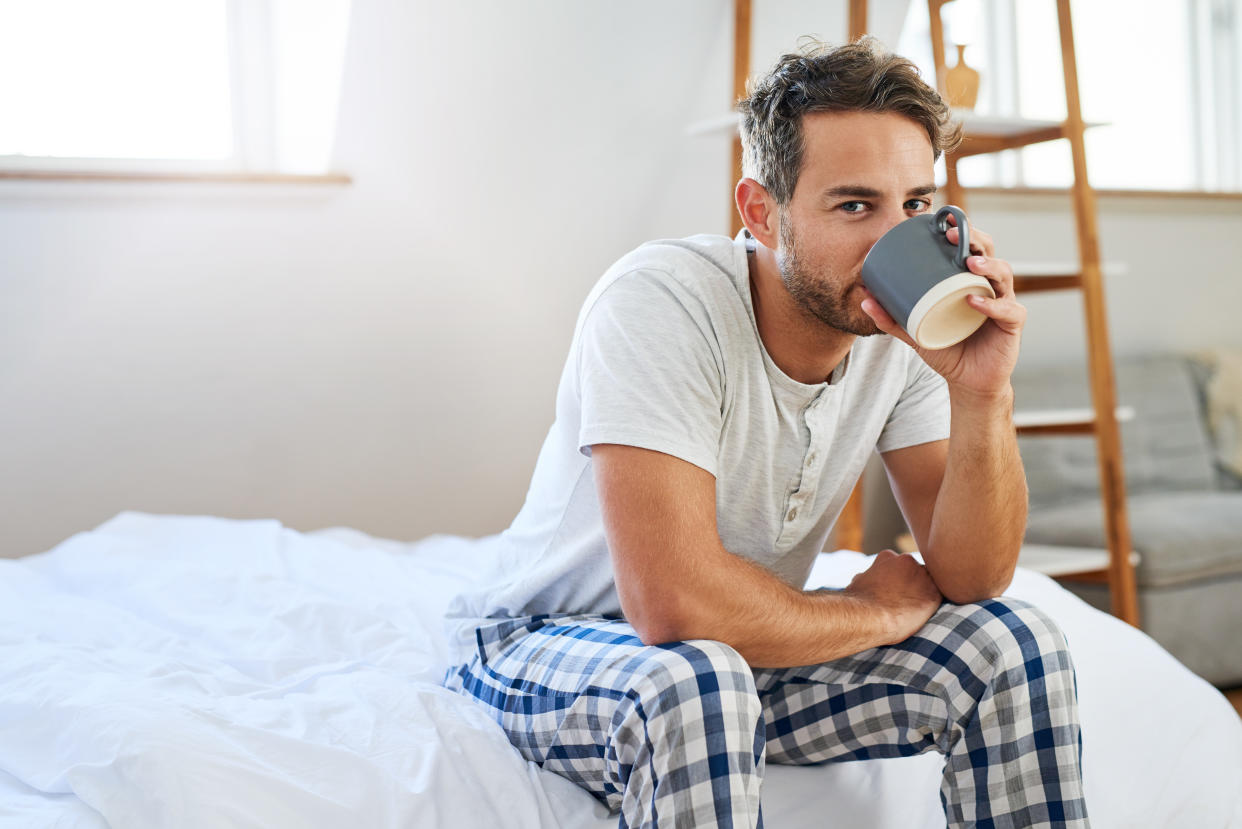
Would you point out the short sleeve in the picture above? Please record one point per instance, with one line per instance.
(921, 414)
(649, 370)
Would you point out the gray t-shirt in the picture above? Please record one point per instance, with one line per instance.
(666, 355)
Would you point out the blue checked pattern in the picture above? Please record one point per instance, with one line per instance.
(678, 734)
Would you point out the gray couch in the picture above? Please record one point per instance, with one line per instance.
(1185, 505)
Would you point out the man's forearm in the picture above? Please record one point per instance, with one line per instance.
(771, 624)
(677, 581)
(980, 513)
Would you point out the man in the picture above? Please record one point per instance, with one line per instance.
(647, 635)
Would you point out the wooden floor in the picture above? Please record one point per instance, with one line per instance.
(1235, 696)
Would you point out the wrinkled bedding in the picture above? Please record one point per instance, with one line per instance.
(181, 671)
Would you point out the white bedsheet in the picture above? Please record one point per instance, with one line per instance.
(187, 672)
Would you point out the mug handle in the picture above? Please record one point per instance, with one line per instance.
(942, 225)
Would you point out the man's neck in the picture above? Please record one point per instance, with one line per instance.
(802, 346)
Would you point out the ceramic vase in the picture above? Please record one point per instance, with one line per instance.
(962, 82)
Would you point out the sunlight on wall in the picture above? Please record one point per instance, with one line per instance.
(309, 55)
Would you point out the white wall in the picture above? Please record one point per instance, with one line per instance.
(1181, 277)
(385, 355)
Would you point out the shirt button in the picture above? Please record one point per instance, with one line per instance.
(810, 459)
(792, 514)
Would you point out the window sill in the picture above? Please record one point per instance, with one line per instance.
(175, 177)
(1216, 195)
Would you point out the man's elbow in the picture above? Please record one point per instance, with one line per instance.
(976, 591)
(656, 631)
(973, 596)
(660, 619)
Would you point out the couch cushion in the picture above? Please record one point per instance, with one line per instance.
(1218, 376)
(1165, 447)
(1182, 536)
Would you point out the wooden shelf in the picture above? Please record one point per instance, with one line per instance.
(994, 133)
(1000, 126)
(1082, 562)
(981, 143)
(1032, 284)
(1075, 563)
(982, 133)
(1063, 421)
(1033, 277)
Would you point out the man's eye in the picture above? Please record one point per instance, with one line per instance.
(917, 204)
(854, 206)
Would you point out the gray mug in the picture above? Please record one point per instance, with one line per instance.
(921, 279)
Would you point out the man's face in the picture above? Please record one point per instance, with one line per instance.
(861, 174)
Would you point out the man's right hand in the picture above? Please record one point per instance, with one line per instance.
(900, 587)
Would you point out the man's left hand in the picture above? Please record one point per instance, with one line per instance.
(984, 361)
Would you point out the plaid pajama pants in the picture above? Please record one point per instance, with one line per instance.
(678, 734)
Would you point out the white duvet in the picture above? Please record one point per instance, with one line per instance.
(200, 672)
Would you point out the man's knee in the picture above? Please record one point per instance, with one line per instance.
(684, 670)
(1006, 641)
(1011, 629)
(699, 683)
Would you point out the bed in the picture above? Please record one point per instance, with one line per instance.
(163, 671)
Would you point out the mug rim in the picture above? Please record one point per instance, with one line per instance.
(938, 292)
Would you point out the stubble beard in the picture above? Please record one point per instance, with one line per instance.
(819, 295)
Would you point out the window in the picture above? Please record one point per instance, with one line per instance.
(232, 85)
(1161, 81)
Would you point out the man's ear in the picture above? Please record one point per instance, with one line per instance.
(758, 212)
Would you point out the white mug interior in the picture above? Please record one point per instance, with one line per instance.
(942, 318)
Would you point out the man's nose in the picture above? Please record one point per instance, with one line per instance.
(893, 217)
(887, 220)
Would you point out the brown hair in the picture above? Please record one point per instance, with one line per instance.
(859, 76)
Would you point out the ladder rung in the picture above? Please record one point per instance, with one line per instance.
(992, 134)
(1086, 577)
(1063, 421)
(1071, 563)
(1032, 277)
(1029, 284)
(978, 142)
(1078, 427)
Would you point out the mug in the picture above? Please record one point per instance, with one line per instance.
(921, 279)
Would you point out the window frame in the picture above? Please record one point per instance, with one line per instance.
(251, 85)
(1215, 32)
